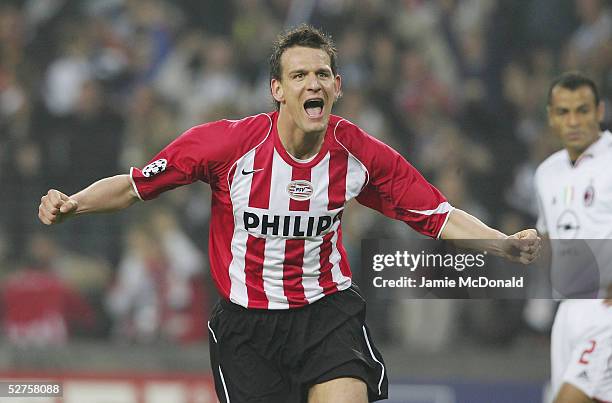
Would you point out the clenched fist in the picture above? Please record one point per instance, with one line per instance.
(55, 206)
(524, 246)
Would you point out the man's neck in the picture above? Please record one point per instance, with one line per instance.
(576, 154)
(296, 142)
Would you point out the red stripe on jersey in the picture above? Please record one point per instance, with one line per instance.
(299, 174)
(292, 273)
(344, 266)
(220, 241)
(254, 272)
(325, 278)
(262, 177)
(294, 250)
(338, 166)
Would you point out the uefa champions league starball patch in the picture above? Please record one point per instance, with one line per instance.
(155, 167)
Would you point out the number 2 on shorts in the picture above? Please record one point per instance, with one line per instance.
(583, 356)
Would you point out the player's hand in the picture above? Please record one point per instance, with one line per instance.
(524, 246)
(55, 206)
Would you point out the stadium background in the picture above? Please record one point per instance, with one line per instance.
(90, 88)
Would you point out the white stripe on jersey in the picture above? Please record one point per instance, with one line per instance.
(312, 247)
(342, 282)
(312, 270)
(441, 209)
(355, 180)
(319, 175)
(355, 177)
(274, 255)
(239, 193)
(352, 157)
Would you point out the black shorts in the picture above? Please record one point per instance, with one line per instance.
(268, 356)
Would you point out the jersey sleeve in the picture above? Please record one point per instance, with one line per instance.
(397, 190)
(197, 154)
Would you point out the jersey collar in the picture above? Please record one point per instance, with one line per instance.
(604, 141)
(278, 145)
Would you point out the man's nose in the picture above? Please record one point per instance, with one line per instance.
(312, 82)
(572, 119)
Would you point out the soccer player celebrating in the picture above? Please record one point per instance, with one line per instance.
(574, 188)
(290, 327)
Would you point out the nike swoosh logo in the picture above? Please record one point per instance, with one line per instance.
(251, 172)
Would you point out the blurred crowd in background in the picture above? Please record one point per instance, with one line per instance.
(90, 88)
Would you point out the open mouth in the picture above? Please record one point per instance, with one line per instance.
(314, 107)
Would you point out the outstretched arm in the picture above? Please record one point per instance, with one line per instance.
(523, 247)
(106, 195)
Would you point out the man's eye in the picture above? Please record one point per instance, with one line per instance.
(323, 75)
(299, 75)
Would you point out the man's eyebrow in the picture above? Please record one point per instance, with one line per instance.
(567, 108)
(296, 71)
(302, 70)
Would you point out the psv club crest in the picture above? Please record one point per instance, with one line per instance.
(300, 190)
(155, 167)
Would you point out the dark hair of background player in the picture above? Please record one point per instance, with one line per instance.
(573, 80)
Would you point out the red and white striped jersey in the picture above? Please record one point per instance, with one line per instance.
(275, 231)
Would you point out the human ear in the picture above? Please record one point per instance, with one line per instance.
(338, 86)
(601, 111)
(277, 90)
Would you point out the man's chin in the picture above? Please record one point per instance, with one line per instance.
(318, 129)
(578, 144)
(316, 126)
